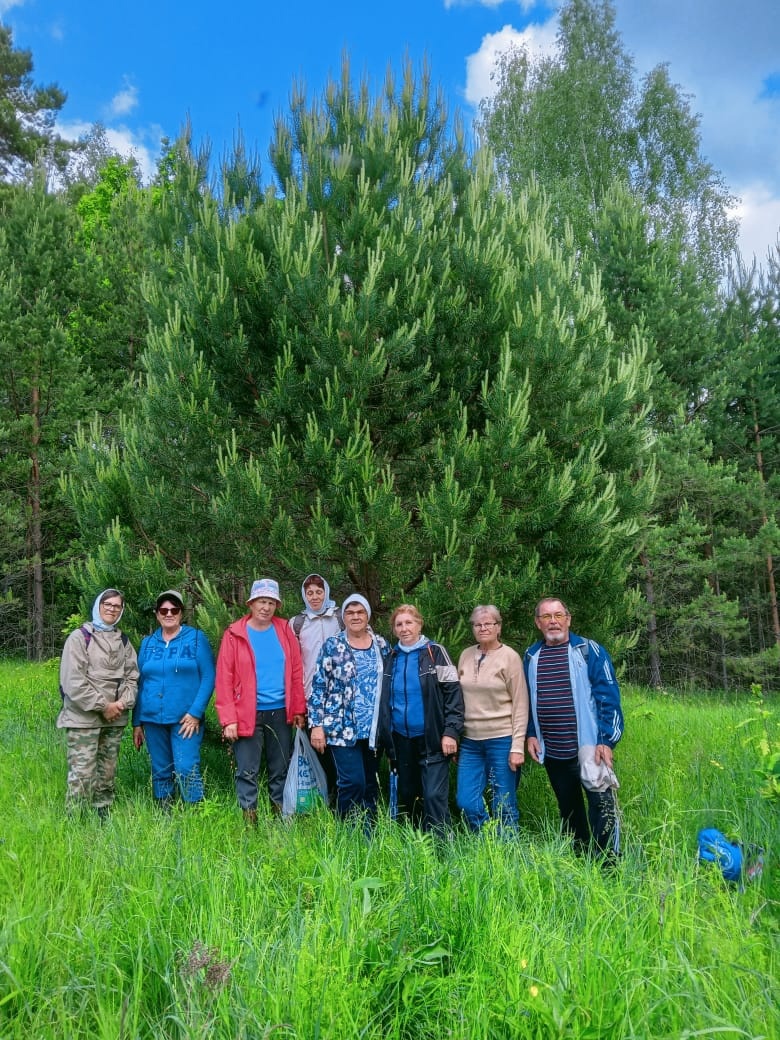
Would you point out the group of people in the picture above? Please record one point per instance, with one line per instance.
(359, 696)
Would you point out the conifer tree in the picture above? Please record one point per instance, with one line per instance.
(46, 390)
(385, 370)
(27, 114)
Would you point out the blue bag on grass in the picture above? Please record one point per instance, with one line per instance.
(714, 847)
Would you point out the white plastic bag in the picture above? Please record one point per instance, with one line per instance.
(595, 777)
(306, 784)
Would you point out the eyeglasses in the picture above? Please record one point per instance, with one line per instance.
(165, 611)
(111, 606)
(483, 624)
(552, 617)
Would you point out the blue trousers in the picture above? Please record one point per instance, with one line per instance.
(356, 779)
(175, 761)
(483, 762)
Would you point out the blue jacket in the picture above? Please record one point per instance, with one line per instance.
(441, 693)
(594, 688)
(332, 698)
(176, 678)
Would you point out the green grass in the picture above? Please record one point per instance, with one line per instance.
(191, 926)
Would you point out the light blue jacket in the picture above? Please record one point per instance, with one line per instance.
(594, 688)
(177, 678)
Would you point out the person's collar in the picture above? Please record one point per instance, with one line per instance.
(415, 646)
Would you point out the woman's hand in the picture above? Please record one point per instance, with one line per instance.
(317, 739)
(299, 721)
(113, 710)
(138, 737)
(188, 725)
(516, 759)
(449, 746)
(230, 732)
(534, 749)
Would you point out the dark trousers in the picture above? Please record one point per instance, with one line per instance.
(272, 737)
(326, 761)
(423, 784)
(600, 822)
(356, 778)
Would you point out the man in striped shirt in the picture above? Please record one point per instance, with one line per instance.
(575, 711)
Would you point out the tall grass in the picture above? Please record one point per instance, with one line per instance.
(192, 926)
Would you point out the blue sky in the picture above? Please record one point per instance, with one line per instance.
(142, 68)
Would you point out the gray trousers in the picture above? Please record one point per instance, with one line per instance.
(272, 737)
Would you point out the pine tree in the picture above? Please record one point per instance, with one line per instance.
(386, 371)
(47, 389)
(27, 114)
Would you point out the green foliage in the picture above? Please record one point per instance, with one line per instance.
(389, 373)
(580, 123)
(620, 161)
(27, 114)
(94, 207)
(763, 740)
(45, 390)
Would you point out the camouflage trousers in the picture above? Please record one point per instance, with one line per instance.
(92, 759)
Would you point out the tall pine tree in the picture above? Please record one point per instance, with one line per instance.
(386, 371)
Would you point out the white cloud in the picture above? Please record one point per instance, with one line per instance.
(143, 146)
(759, 221)
(538, 39)
(125, 101)
(6, 5)
(723, 60)
(145, 151)
(723, 63)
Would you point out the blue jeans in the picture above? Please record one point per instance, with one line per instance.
(356, 779)
(174, 758)
(483, 762)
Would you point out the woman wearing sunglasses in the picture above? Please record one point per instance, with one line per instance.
(176, 683)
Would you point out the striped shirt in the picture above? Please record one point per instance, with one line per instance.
(555, 703)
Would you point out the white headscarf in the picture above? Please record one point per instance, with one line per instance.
(357, 598)
(97, 620)
(328, 605)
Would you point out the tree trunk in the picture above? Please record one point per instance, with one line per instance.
(35, 559)
(652, 623)
(770, 563)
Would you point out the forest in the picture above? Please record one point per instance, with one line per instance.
(435, 373)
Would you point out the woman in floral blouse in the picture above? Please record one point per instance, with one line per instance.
(344, 707)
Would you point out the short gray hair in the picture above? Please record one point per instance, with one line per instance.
(485, 608)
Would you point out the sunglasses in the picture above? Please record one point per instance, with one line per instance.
(168, 610)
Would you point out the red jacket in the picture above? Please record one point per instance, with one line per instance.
(236, 683)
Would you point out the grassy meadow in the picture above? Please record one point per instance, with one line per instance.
(192, 926)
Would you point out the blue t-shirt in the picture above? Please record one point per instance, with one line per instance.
(406, 695)
(366, 693)
(269, 668)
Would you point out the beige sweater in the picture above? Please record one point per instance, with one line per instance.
(495, 695)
